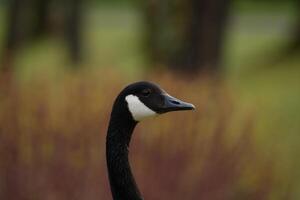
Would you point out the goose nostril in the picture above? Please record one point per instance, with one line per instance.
(175, 102)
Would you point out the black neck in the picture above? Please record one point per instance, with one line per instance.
(122, 183)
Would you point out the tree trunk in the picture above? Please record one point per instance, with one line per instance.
(295, 43)
(73, 25)
(41, 9)
(187, 35)
(153, 26)
(13, 34)
(204, 38)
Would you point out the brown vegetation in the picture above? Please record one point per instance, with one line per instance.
(52, 136)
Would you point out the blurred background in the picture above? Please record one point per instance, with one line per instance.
(62, 63)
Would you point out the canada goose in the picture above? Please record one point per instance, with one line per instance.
(135, 102)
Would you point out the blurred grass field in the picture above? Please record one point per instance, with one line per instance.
(243, 141)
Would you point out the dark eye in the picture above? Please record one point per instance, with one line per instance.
(146, 92)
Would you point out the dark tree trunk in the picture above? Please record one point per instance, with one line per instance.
(295, 43)
(73, 25)
(204, 37)
(153, 25)
(187, 35)
(13, 34)
(41, 9)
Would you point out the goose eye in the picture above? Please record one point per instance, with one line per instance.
(146, 92)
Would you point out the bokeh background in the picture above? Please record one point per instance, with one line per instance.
(63, 62)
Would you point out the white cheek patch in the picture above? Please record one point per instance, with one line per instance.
(137, 108)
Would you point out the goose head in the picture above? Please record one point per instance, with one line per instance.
(146, 99)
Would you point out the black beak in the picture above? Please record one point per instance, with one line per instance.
(173, 104)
